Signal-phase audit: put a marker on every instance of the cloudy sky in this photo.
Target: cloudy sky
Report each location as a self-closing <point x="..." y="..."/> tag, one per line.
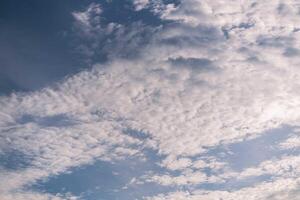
<point x="150" y="100"/>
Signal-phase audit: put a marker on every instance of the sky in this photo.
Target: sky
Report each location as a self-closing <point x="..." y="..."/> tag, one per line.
<point x="149" y="100"/>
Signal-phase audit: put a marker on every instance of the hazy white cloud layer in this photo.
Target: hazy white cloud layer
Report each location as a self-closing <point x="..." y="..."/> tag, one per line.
<point x="220" y="73"/>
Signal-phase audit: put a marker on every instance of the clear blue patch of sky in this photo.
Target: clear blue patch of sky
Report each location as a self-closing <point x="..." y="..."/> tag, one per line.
<point x="251" y="152"/>
<point x="14" y="160"/>
<point x="34" y="49"/>
<point x="59" y="120"/>
<point x="105" y="180"/>
<point x="37" y="44"/>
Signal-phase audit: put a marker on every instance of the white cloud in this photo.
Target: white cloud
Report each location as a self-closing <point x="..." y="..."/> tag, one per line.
<point x="287" y="166"/>
<point x="242" y="84"/>
<point x="90" y="30"/>
<point x="279" y="189"/>
<point x="292" y="142"/>
<point x="189" y="178"/>
<point x="88" y="19"/>
<point x="140" y="4"/>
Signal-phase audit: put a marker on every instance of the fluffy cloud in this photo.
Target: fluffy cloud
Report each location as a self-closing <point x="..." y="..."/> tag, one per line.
<point x="140" y="4"/>
<point x="220" y="73"/>
<point x="292" y="142"/>
<point x="89" y="19"/>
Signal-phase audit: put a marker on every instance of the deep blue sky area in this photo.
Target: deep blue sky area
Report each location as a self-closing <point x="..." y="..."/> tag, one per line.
<point x="34" y="47"/>
<point x="38" y="44"/>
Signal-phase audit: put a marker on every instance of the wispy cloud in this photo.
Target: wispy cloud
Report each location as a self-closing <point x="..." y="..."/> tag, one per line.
<point x="249" y="86"/>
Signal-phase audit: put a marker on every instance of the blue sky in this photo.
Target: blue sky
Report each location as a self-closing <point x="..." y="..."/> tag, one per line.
<point x="39" y="46"/>
<point x="149" y="99"/>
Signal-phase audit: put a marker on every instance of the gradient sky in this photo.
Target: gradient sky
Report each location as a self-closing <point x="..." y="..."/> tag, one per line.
<point x="149" y="99"/>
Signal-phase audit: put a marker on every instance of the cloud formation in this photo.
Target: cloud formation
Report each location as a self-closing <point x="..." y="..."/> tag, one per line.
<point x="219" y="73"/>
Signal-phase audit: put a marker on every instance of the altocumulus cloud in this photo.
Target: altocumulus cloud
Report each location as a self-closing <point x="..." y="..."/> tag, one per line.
<point x="218" y="73"/>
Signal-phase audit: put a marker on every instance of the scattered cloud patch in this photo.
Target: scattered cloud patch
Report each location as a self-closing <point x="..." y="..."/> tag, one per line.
<point x="201" y="92"/>
<point x="140" y="4"/>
